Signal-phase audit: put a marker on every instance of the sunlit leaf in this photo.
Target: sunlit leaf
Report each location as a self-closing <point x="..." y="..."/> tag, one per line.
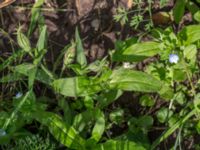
<point x="130" y="80"/>
<point x="80" y="56"/>
<point x="137" y="52"/>
<point x="63" y="132"/>
<point x="119" y="145"/>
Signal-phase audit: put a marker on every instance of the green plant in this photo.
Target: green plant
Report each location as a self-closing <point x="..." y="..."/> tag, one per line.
<point x="135" y="17"/>
<point x="180" y="7"/>
<point x="170" y="69"/>
<point x="33" y="142"/>
<point x="74" y="100"/>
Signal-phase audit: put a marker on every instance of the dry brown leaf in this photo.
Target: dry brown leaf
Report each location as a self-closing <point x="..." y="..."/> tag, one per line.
<point x="6" y="3"/>
<point x="126" y="3"/>
<point x="162" y="18"/>
<point x="84" y="6"/>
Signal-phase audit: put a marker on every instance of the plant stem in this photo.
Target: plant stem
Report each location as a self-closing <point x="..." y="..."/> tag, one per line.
<point x="7" y="122"/>
<point x="189" y="79"/>
<point x="172" y="129"/>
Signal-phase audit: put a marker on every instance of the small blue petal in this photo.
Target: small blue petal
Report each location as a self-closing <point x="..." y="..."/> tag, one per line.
<point x="173" y="58"/>
<point x="18" y="95"/>
<point x="2" y="132"/>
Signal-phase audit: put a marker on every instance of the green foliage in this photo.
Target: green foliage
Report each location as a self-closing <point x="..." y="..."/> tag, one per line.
<point x="180" y="8"/>
<point x="33" y="142"/>
<point x="146" y="100"/>
<point x="134" y="81"/>
<point x="77" y="101"/>
<point x="137" y="52"/>
<point x="134" y="18"/>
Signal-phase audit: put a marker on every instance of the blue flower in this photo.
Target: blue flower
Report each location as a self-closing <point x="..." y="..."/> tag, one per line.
<point x="173" y="58"/>
<point x="2" y="132"/>
<point x="18" y="95"/>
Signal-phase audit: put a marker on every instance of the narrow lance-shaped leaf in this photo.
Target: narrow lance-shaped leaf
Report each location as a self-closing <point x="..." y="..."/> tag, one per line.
<point x="99" y="126"/>
<point x="80" y="56"/>
<point x="35" y="14"/>
<point x="41" y="44"/>
<point x="62" y="131"/>
<point x="178" y="10"/>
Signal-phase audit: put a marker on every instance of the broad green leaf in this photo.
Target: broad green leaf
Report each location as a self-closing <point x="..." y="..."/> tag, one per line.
<point x="41" y="75"/>
<point x="75" y="86"/>
<point x="179" y="74"/>
<point x="41" y="43"/>
<point x="197" y="16"/>
<point x="117" y="115"/>
<point x="164" y="114"/>
<point x="70" y="86"/>
<point x="178" y="10"/>
<point x="63" y="132"/>
<point x="87" y="117"/>
<point x="107" y="97"/>
<point x="137" y="52"/>
<point x="23" y="41"/>
<point x="166" y="92"/>
<point x="180" y="98"/>
<point x="141" y="126"/>
<point x="190" y="53"/>
<point x="11" y="77"/>
<point x="147" y="101"/>
<point x="88" y="102"/>
<point x="145" y="121"/>
<point x="80" y="56"/>
<point x="130" y="80"/>
<point x="190" y="34"/>
<point x="119" y="145"/>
